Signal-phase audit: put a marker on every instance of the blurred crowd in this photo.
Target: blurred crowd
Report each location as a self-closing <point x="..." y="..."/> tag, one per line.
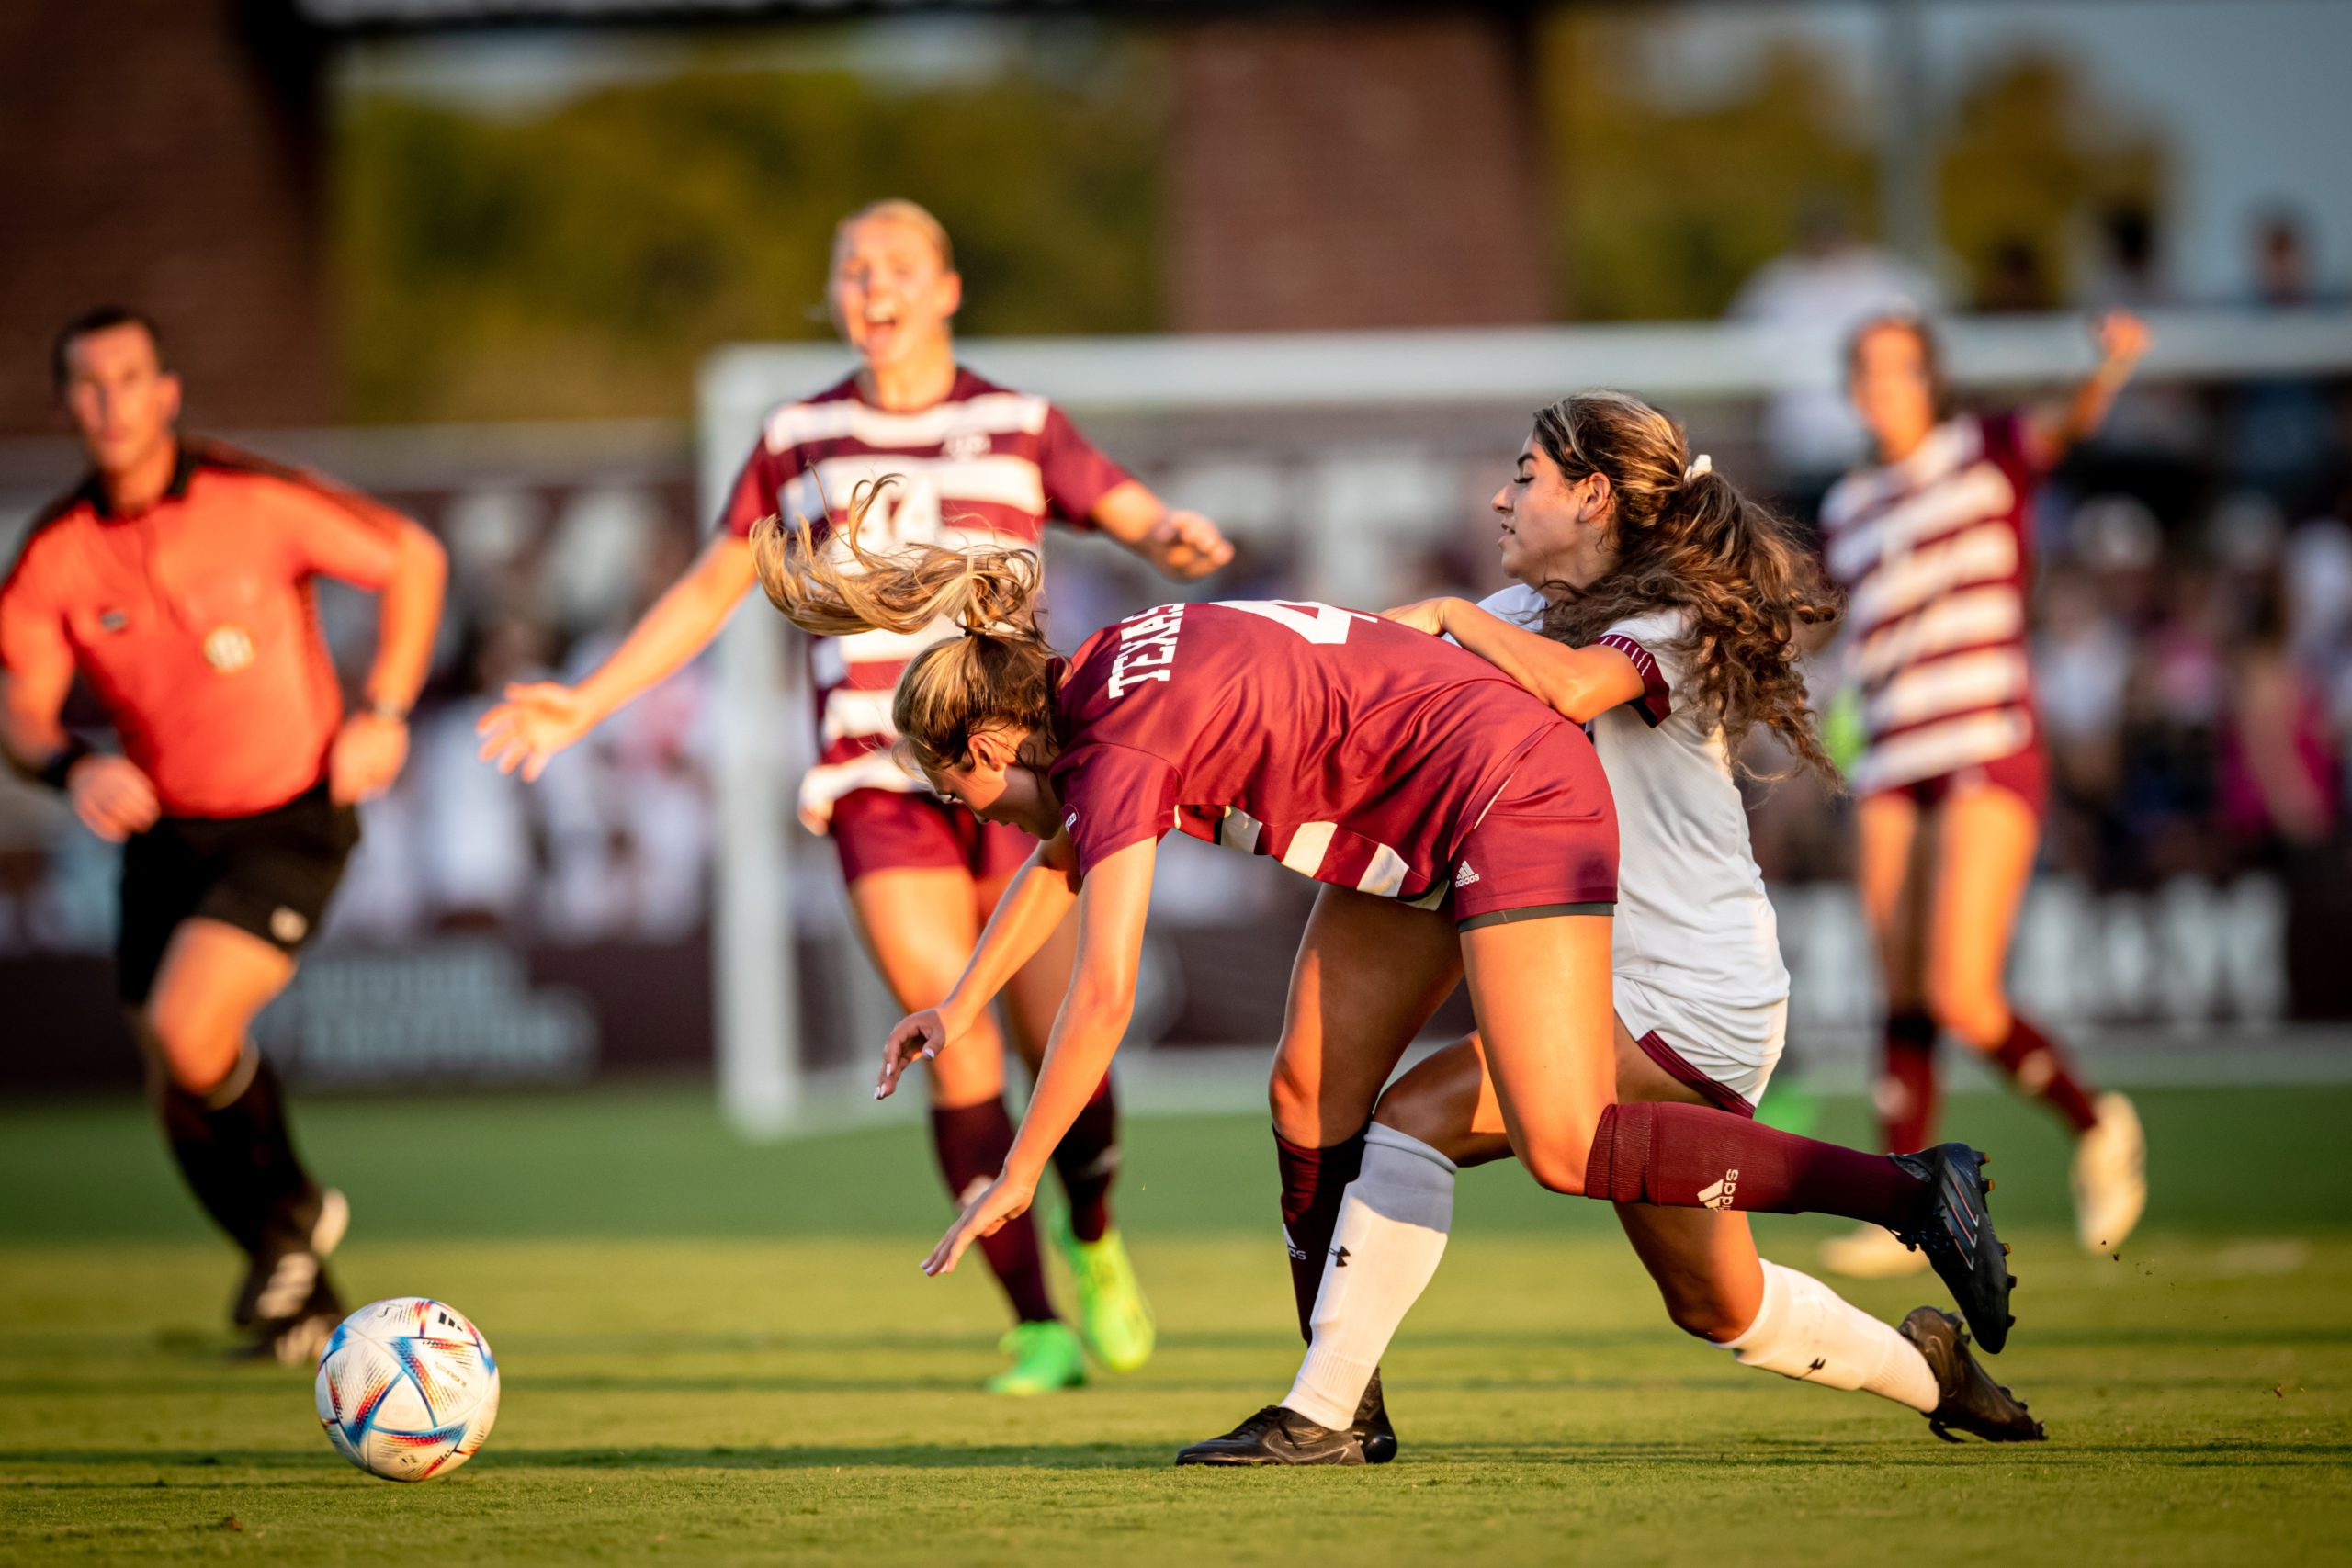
<point x="2193" y="654"/>
<point x="2193" y="606"/>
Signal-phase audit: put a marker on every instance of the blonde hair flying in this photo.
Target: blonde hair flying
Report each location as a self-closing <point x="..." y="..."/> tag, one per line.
<point x="997" y="673"/>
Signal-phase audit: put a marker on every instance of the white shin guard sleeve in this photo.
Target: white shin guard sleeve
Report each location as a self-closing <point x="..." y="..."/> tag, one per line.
<point x="1807" y="1331"/>
<point x="1385" y="1250"/>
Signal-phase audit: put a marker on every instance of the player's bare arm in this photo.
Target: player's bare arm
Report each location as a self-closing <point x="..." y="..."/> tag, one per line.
<point x="1030" y="911"/>
<point x="372" y="744"/>
<point x="1182" y="545"/>
<point x="2122" y="339"/>
<point x="1579" y="683"/>
<point x="539" y="719"/>
<point x="1111" y="912"/>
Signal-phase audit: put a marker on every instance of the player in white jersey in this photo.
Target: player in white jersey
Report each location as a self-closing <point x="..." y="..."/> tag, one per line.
<point x="1660" y="608"/>
<point x="975" y="463"/>
<point x="1933" y="539"/>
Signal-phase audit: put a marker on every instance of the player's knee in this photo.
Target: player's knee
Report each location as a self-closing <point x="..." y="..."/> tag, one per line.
<point x="1555" y="1170"/>
<point x="189" y="1042"/>
<point x="1703" y="1314"/>
<point x="1293" y="1096"/>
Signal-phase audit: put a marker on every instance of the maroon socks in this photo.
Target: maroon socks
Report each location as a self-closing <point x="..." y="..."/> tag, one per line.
<point x="971" y="1142"/>
<point x="1907" y="1093"/>
<point x="2037" y="1065"/>
<point x="1693" y="1156"/>
<point x="1088" y="1161"/>
<point x="1314" y="1183"/>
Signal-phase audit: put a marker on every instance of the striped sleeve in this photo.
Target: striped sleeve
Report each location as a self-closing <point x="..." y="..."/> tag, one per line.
<point x="1074" y="474"/>
<point x="1649" y="641"/>
<point x="757" y="486"/>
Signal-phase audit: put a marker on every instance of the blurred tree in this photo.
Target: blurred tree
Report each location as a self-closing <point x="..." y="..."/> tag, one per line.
<point x="1665" y="206"/>
<point x="581" y="261"/>
<point x="2029" y="155"/>
<point x="1668" y="197"/>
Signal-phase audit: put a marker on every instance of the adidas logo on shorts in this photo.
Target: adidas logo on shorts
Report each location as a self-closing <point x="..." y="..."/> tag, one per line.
<point x="1464" y="877"/>
<point x="1718" y="1194"/>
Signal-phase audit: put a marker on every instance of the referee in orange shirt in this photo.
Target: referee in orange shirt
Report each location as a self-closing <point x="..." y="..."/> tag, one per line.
<point x="177" y="579"/>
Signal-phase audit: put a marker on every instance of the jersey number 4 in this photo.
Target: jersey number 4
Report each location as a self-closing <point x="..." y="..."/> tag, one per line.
<point x="1325" y="625"/>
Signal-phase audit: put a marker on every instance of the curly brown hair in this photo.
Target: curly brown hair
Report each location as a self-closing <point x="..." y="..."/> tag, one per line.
<point x="1745" y="582"/>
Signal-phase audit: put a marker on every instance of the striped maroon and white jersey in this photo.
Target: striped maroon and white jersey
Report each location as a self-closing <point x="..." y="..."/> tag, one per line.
<point x="1933" y="551"/>
<point x="983" y="466"/>
<point x="1351" y="749"/>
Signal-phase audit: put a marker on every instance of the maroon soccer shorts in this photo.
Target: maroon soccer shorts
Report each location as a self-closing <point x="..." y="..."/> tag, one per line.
<point x="1547" y="846"/>
<point x="884" y="829"/>
<point x="2025" y="774"/>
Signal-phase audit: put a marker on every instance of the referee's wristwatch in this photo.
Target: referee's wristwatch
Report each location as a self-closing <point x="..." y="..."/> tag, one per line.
<point x="392" y="712"/>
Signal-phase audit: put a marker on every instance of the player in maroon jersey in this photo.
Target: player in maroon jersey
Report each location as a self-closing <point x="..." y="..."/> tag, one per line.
<point x="978" y="464"/>
<point x="1932" y="537"/>
<point x="1417" y="781"/>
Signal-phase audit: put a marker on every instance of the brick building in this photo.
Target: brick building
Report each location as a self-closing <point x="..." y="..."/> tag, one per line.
<point x="1325" y="170"/>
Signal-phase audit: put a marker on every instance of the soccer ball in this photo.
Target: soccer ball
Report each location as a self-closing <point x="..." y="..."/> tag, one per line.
<point x="407" y="1389"/>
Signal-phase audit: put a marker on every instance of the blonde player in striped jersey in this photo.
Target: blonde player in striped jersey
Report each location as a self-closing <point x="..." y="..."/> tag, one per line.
<point x="1657" y="606"/>
<point x="974" y="464"/>
<point x="1932" y="539"/>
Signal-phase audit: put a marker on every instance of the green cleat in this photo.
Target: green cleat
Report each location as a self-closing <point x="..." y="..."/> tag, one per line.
<point x="1045" y="1356"/>
<point x="1113" y="1317"/>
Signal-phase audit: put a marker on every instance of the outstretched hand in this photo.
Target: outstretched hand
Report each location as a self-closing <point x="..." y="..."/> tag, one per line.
<point x="1187" y="546"/>
<point x="535" y="721"/>
<point x="2122" y="338"/>
<point x="918" y="1038"/>
<point x="1005" y="1199"/>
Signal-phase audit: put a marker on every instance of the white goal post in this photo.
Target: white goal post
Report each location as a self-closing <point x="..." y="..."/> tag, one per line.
<point x="762" y="1085"/>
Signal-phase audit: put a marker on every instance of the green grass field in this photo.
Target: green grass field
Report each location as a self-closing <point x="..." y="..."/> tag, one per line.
<point x="714" y="1352"/>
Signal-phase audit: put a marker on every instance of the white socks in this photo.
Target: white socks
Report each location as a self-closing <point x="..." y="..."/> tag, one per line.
<point x="1391" y="1236"/>
<point x="1384" y="1251"/>
<point x="1807" y="1331"/>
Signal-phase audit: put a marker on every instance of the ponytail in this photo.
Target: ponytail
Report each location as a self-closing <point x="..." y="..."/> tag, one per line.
<point x="997" y="673"/>
<point x="1688" y="539"/>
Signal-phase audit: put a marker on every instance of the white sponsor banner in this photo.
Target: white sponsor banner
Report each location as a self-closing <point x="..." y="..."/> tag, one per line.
<point x="2187" y="956"/>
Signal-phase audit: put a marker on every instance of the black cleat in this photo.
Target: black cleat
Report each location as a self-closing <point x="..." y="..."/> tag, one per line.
<point x="300" y="1337"/>
<point x="1373" y="1431"/>
<point x="1959" y="1239"/>
<point x="1277" y="1435"/>
<point x="1972" y="1401"/>
<point x="282" y="1272"/>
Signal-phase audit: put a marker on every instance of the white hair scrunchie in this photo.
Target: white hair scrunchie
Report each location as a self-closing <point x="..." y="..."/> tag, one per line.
<point x="1701" y="463"/>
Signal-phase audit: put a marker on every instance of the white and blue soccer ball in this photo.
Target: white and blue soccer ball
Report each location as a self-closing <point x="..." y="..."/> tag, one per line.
<point x="407" y="1389"/>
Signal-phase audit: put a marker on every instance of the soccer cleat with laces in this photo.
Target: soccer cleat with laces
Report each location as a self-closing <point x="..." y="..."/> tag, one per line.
<point x="1113" y="1319"/>
<point x="1277" y="1435"/>
<point x="1957" y="1235"/>
<point x="2111" y="1176"/>
<point x="284" y="1269"/>
<point x="1970" y="1401"/>
<point x="1045" y="1356"/>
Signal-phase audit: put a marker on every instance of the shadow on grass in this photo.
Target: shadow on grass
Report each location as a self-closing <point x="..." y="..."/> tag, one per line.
<point x="1714" y="1457"/>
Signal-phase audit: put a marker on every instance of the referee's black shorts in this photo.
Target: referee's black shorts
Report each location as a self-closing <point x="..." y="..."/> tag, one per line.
<point x="270" y="874"/>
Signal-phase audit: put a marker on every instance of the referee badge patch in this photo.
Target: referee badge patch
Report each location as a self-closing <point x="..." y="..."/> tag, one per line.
<point x="228" y="649"/>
